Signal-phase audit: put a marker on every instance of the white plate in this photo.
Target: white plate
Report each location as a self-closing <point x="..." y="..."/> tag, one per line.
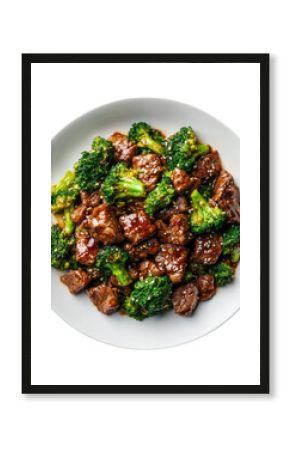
<point x="169" y="329"/>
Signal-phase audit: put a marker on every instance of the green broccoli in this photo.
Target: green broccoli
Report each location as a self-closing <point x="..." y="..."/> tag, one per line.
<point x="206" y="190"/>
<point x="94" y="165"/>
<point x="149" y="297"/>
<point x="231" y="243"/>
<point x="235" y="256"/>
<point x="188" y="276"/>
<point x="69" y="225"/>
<point x="64" y="193"/>
<point x="222" y="272"/>
<point x="204" y="217"/>
<point x="161" y="196"/>
<point x="62" y="248"/>
<point x="182" y="149"/>
<point x="112" y="259"/>
<point x="145" y="136"/>
<point x="120" y="184"/>
<point x="198" y="268"/>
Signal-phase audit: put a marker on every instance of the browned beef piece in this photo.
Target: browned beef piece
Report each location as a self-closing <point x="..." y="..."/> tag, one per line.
<point x="179" y="206"/>
<point x="94" y="273"/>
<point x="185" y="299"/>
<point x="124" y="149"/>
<point x="95" y="199"/>
<point x="113" y="281"/>
<point x="79" y="213"/>
<point x="86" y="248"/>
<point x="149" y="167"/>
<point x="75" y="280"/>
<point x="133" y="271"/>
<point x="135" y="206"/>
<point x="207" y="248"/>
<point x="104" y="223"/>
<point x="143" y="250"/>
<point x="208" y="166"/>
<point x="149" y="267"/>
<point x="90" y="199"/>
<point x="173" y="260"/>
<point x="128" y="208"/>
<point x="206" y="287"/>
<point x="177" y="232"/>
<point x="181" y="181"/>
<point x="227" y="196"/>
<point x="105" y="298"/>
<point x="137" y="226"/>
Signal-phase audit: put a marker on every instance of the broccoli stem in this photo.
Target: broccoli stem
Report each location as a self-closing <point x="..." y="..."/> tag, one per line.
<point x="131" y="188"/>
<point x="121" y="274"/>
<point x="154" y="146"/>
<point x="69" y="224"/>
<point x="202" y="149"/>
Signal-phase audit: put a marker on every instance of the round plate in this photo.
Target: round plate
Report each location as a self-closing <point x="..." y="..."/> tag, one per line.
<point x="169" y="329"/>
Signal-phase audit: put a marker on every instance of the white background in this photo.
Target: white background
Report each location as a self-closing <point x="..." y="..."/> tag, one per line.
<point x="226" y="356"/>
<point x="205" y="422"/>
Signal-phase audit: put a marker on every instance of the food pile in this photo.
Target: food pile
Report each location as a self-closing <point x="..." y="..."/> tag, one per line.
<point x="146" y="223"/>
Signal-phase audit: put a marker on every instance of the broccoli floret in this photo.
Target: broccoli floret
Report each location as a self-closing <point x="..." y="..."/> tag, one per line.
<point x="182" y="149"/>
<point x="188" y="276"/>
<point x="204" y="217"/>
<point x="206" y="190"/>
<point x="222" y="272"/>
<point x="235" y="256"/>
<point x="64" y="193"/>
<point x="145" y="136"/>
<point x="112" y="259"/>
<point x="198" y="268"/>
<point x="231" y="239"/>
<point x="121" y="183"/>
<point x="62" y="250"/>
<point x="149" y="297"/>
<point x="161" y="196"/>
<point x="94" y="165"/>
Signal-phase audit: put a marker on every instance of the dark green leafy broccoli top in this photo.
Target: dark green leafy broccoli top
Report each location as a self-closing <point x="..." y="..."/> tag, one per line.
<point x="146" y="223"/>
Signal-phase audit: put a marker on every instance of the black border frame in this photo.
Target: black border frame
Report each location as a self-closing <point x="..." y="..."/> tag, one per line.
<point x="27" y="60"/>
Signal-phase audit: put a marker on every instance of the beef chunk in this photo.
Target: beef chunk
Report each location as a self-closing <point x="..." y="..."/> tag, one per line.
<point x="75" y="280"/>
<point x="143" y="250"/>
<point x="86" y="248"/>
<point x="124" y="149"/>
<point x="79" y="213"/>
<point x="181" y="181"/>
<point x="227" y="196"/>
<point x="133" y="271"/>
<point x="208" y="166"/>
<point x="173" y="260"/>
<point x="207" y="248"/>
<point x="90" y="199"/>
<point x="150" y="169"/>
<point x="94" y="273"/>
<point x="180" y="205"/>
<point x="95" y="199"/>
<point x="185" y="299"/>
<point x="177" y="232"/>
<point x="149" y="267"/>
<point x="105" y="298"/>
<point x="137" y="226"/>
<point x="206" y="287"/>
<point x="104" y="223"/>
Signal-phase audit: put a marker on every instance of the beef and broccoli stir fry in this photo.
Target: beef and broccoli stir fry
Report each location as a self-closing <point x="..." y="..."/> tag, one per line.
<point x="146" y="223"/>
